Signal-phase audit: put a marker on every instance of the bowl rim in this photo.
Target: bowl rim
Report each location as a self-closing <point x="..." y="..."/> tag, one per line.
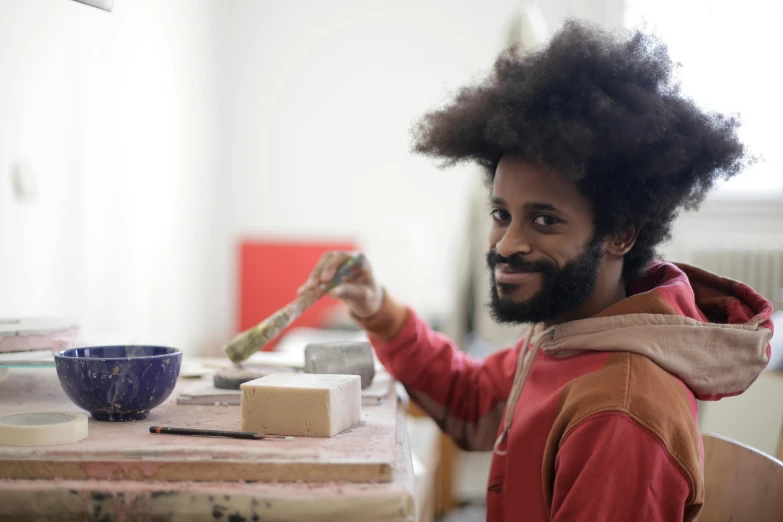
<point x="62" y="355"/>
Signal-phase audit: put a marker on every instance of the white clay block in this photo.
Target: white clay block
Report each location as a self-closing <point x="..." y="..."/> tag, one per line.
<point x="301" y="404"/>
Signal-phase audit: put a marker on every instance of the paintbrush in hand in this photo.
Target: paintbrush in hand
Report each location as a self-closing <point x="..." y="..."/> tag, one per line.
<point x="250" y="341"/>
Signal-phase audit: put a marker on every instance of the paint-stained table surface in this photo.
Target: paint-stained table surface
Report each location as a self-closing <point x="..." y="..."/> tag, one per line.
<point x="137" y="492"/>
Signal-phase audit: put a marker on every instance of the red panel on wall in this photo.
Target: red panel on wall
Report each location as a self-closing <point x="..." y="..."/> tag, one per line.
<point x="270" y="273"/>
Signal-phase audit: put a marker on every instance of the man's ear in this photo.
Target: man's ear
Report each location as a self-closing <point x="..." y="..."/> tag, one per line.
<point x="621" y="243"/>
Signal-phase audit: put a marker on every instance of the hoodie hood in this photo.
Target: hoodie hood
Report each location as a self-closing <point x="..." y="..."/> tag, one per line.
<point x="711" y="332"/>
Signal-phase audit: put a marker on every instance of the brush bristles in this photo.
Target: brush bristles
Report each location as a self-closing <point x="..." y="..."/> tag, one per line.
<point x="244" y="345"/>
<point x="249" y="342"/>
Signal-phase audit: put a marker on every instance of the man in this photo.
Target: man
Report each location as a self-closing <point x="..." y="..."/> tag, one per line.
<point x="591" y="153"/>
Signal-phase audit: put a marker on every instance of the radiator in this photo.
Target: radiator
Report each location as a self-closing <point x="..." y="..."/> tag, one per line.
<point x="754" y="260"/>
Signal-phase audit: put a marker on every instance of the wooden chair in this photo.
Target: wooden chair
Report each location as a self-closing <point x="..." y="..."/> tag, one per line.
<point x="741" y="483"/>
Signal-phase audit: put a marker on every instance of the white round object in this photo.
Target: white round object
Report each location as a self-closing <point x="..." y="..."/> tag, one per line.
<point x="42" y="428"/>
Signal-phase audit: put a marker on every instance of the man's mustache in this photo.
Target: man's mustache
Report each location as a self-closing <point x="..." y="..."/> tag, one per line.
<point x="517" y="263"/>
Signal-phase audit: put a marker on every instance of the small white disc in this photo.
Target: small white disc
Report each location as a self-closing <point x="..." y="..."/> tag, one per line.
<point x="42" y="428"/>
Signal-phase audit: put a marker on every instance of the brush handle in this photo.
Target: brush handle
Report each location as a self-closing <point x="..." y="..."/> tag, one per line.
<point x="290" y="312"/>
<point x="350" y="268"/>
<point x="215" y="433"/>
<point x="250" y="341"/>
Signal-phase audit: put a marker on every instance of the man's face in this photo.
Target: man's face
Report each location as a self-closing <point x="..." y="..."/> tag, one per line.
<point x="544" y="257"/>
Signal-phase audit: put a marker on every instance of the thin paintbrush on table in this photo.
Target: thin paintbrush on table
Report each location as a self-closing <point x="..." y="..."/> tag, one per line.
<point x="165" y="430"/>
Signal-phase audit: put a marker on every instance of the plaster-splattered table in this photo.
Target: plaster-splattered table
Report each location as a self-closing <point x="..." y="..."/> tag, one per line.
<point x="121" y="472"/>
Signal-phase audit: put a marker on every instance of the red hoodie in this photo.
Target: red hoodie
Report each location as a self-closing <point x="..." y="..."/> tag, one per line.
<point x="592" y="420"/>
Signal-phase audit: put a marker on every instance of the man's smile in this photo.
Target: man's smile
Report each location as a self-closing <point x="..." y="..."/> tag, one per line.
<point x="508" y="275"/>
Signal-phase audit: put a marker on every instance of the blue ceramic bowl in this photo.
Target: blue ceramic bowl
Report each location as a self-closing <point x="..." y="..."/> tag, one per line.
<point x="118" y="383"/>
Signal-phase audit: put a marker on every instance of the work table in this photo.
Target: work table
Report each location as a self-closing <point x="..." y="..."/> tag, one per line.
<point x="125" y="473"/>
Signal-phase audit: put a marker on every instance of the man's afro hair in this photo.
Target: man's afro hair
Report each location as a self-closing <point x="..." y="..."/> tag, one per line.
<point x="605" y="109"/>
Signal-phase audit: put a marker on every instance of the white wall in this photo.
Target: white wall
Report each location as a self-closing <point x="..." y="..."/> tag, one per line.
<point x="316" y="103"/>
<point x="162" y="133"/>
<point x="114" y="113"/>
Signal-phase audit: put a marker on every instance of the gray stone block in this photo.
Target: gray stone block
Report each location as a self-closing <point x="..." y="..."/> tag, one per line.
<point x="349" y="358"/>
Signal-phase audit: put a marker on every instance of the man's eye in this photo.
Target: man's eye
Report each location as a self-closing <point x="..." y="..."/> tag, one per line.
<point x="499" y="214"/>
<point x="545" y="220"/>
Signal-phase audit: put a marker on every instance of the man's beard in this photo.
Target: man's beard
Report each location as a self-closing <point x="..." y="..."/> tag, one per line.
<point x="561" y="290"/>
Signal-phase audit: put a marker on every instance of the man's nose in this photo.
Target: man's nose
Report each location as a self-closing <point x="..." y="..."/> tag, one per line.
<point x="513" y="242"/>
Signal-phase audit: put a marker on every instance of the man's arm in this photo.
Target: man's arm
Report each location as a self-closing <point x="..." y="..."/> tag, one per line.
<point x="466" y="397"/>
<point x="610" y="468"/>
